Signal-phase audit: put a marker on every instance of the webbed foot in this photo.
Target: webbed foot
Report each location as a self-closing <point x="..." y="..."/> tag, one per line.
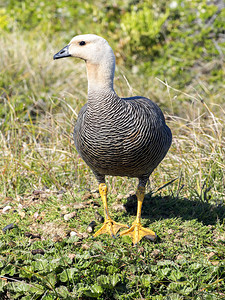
<point x="110" y="227"/>
<point x="137" y="232"/>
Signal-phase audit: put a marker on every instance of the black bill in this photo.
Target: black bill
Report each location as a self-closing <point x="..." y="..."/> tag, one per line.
<point x="62" y="53"/>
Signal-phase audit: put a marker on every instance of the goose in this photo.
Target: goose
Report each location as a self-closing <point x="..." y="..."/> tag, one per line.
<point x="116" y="136"/>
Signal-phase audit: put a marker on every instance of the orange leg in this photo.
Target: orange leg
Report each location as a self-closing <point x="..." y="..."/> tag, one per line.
<point x="109" y="226"/>
<point x="136" y="231"/>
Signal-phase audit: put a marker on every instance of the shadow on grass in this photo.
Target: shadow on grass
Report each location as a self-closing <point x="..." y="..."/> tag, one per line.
<point x="156" y="208"/>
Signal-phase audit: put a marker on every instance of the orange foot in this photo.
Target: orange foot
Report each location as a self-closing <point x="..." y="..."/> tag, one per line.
<point x="137" y="232"/>
<point x="110" y="227"/>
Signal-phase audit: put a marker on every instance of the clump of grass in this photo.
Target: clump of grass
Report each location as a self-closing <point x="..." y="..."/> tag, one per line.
<point x="198" y="148"/>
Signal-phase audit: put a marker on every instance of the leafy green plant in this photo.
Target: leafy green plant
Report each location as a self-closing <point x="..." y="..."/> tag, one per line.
<point x="143" y="27"/>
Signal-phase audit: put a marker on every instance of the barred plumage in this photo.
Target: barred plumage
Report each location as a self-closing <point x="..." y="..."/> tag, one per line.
<point x="116" y="136"/>
<point x="121" y="136"/>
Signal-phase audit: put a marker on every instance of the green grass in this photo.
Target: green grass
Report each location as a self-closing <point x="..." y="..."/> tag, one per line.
<point x="42" y="176"/>
<point x="185" y="263"/>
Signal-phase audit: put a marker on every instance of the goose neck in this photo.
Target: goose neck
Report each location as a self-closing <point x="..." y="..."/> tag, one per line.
<point x="100" y="76"/>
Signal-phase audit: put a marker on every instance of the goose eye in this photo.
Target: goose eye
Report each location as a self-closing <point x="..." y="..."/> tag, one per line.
<point x="82" y="43"/>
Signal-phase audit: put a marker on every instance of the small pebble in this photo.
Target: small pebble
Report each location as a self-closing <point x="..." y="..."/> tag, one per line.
<point x="151" y="238"/>
<point x="6" y="208"/>
<point x="80" y="235"/>
<point x="36" y="215"/>
<point x="70" y="216"/>
<point x="179" y="235"/>
<point x="156" y="253"/>
<point x="32" y="236"/>
<point x="91" y="227"/>
<point x="79" y="205"/>
<point x="37" y="251"/>
<point x="84" y="235"/>
<point x="99" y="217"/>
<point x="92" y="203"/>
<point x="21" y="214"/>
<point x="73" y="233"/>
<point x="77" y="243"/>
<point x="119" y="207"/>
